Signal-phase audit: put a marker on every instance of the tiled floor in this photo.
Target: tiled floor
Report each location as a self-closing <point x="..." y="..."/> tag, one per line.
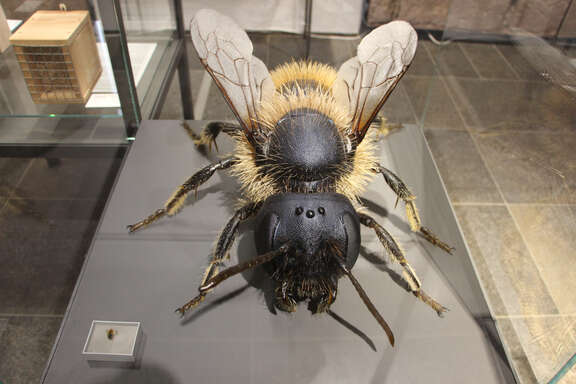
<point x="49" y="209"/>
<point x="509" y="173"/>
<point x="502" y="137"/>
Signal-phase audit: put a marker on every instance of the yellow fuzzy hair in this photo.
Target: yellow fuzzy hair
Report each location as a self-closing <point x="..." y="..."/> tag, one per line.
<point x="257" y="187"/>
<point x="178" y="204"/>
<point x="276" y="107"/>
<point x="295" y="71"/>
<point x="351" y="182"/>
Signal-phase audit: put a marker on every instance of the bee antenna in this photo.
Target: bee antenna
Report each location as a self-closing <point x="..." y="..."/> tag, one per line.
<point x="366" y="300"/>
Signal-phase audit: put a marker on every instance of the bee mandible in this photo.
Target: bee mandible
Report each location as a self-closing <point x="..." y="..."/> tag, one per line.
<point x="303" y="156"/>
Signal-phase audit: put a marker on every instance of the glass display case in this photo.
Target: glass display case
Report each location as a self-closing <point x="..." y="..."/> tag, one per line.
<point x="499" y="115"/>
<point x="137" y="54"/>
<point x="481" y="128"/>
<point x="59" y="156"/>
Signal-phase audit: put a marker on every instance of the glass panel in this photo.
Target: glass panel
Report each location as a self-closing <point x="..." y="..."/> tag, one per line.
<point x="151" y="34"/>
<point x="61" y="89"/>
<point x="59" y="158"/>
<point x="499" y="115"/>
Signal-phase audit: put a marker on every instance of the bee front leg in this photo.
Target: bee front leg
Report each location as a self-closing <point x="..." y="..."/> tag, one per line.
<point x="210" y="283"/>
<point x="210" y="133"/>
<point x="408" y="274"/>
<point x="402" y="192"/>
<point x="176" y="201"/>
<point x="282" y="300"/>
<point x="222" y="249"/>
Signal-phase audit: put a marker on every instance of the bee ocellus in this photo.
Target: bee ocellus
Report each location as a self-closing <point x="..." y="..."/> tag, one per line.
<point x="304" y="154"/>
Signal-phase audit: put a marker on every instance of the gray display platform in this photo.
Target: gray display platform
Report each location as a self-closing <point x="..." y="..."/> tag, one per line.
<point x="234" y="336"/>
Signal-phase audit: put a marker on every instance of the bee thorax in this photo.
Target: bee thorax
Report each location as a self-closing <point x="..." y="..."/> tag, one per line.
<point x="306" y="145"/>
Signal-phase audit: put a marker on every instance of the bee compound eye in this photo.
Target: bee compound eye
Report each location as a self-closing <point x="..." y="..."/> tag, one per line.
<point x="309" y="213"/>
<point x="299" y="211"/>
<point x="321" y="210"/>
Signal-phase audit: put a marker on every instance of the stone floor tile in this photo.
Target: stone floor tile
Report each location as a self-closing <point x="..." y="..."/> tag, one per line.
<point x="216" y="106"/>
<point x="3" y="326"/>
<point x="422" y="64"/>
<point x="69" y="178"/>
<point x="25" y="347"/>
<point x="489" y="63"/>
<point x="284" y="48"/>
<point x="513" y="346"/>
<point x="260" y="44"/>
<point x="569" y="377"/>
<point x="332" y="51"/>
<point x="549" y="232"/>
<point x="522" y="67"/>
<point x="569" y="51"/>
<point x="496" y="105"/>
<point x="11" y="171"/>
<point x="518" y="286"/>
<point x="172" y="108"/>
<point x="548" y="343"/>
<point x="432" y="103"/>
<point x="482" y="268"/>
<point x="462" y="168"/>
<point x="523" y="369"/>
<point x="397" y="109"/>
<point x="193" y="60"/>
<point x="451" y="61"/>
<point x="532" y="168"/>
<point x="42" y="247"/>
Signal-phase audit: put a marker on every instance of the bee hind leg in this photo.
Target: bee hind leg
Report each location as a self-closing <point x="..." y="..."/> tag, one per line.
<point x="402" y="192"/>
<point x="209" y="133"/>
<point x="176" y="201"/>
<point x="396" y="254"/>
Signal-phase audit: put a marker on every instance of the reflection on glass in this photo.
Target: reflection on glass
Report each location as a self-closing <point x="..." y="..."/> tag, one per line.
<point x="500" y="116"/>
<point x="150" y="31"/>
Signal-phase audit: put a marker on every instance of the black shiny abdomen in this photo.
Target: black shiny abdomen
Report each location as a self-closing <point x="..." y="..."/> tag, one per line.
<point x="308" y="220"/>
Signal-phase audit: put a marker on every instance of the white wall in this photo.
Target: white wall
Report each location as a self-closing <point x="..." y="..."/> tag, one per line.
<point x="328" y="16"/>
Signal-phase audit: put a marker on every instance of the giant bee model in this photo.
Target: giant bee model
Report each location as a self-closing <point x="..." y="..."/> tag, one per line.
<point x="304" y="154"/>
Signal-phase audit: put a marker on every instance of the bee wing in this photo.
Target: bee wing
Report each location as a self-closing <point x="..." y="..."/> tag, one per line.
<point x="365" y="81"/>
<point x="226" y="51"/>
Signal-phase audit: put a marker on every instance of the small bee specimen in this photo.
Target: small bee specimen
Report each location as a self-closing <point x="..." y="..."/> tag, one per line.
<point x="303" y="156"/>
<point x="110" y="333"/>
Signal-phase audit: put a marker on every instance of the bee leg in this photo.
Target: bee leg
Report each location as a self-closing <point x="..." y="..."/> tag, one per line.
<point x="322" y="303"/>
<point x="230" y="231"/>
<point x="216" y="279"/>
<point x="282" y="301"/>
<point x="383" y="127"/>
<point x="402" y="192"/>
<point x="210" y="133"/>
<point x="408" y="274"/>
<point x="223" y="245"/>
<point x="176" y="201"/>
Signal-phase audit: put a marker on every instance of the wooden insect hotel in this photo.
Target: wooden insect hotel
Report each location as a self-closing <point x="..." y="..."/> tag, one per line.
<point x="58" y="56"/>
